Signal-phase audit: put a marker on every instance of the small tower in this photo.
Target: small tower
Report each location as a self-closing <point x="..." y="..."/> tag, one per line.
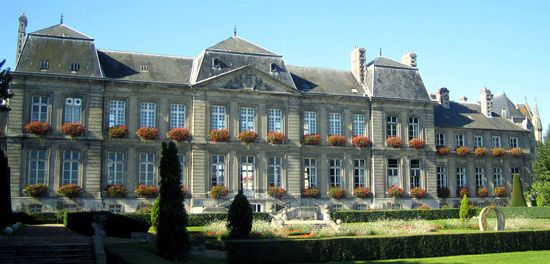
<point x="359" y="64"/>
<point x="486" y="102"/>
<point x="442" y="97"/>
<point x="537" y="124"/>
<point x="409" y="58"/>
<point x="21" y="33"/>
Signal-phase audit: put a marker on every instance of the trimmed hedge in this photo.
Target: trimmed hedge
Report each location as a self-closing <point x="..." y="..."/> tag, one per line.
<point x="524" y="212"/>
<point x="204" y="219"/>
<point x="370" y="248"/>
<point x="38" y="218"/>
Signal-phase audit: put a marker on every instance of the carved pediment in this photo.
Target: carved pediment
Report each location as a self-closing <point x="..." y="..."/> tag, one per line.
<point x="247" y="78"/>
<point x="248" y="81"/>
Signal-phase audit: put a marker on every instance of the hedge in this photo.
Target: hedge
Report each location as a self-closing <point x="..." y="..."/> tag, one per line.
<point x="38" y="218"/>
<point x="371" y="248"/>
<point x="204" y="219"/>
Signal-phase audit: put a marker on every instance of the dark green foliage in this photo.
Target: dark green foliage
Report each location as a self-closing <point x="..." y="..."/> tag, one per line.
<point x="374" y="215"/>
<point x="5" y="192"/>
<point x="38" y="218"/>
<point x="172" y="238"/>
<point x="116" y="225"/>
<point x="204" y="219"/>
<point x="81" y="222"/>
<point x="517" y="192"/>
<point x="155" y="214"/>
<point x="5" y="79"/>
<point x="464" y="208"/>
<point x="239" y="217"/>
<point x="541" y="184"/>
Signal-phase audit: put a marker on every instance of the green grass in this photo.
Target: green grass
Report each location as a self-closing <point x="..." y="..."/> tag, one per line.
<point x="195" y="229"/>
<point x="144" y="253"/>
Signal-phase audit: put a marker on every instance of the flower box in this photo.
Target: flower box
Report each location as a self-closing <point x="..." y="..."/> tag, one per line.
<point x="417" y="143"/>
<point x="443" y="192"/>
<point x="119" y="131"/>
<point x="311" y="192"/>
<point x="498" y="152"/>
<point x="394" y="142"/>
<point x="72" y="129"/>
<point x="442" y="151"/>
<point x="516" y="152"/>
<point x="362" y="192"/>
<point x="395" y="192"/>
<point x="418" y="192"/>
<point x="312" y="139"/>
<point x="219" y="135"/>
<point x="179" y="134"/>
<point x="336" y="193"/>
<point x="482" y="192"/>
<point x="360" y="141"/>
<point x="116" y="190"/>
<point x="36" y="190"/>
<point x="276" y="137"/>
<point x="500" y="191"/>
<point x="461" y="191"/>
<point x="38" y="128"/>
<point x="336" y="140"/>
<point x="147" y="133"/>
<point x="70" y="190"/>
<point x="146" y="191"/>
<point x="247" y="137"/>
<point x="218" y="191"/>
<point x="276" y="192"/>
<point x="463" y="151"/>
<point x="480" y="151"/>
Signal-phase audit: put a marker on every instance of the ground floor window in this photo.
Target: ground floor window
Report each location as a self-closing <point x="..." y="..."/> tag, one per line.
<point x="335" y="173"/>
<point x="393" y="172"/>
<point x="415" y="173"/>
<point x="441" y="173"/>
<point x="310" y="173"/>
<point x="461" y="177"/>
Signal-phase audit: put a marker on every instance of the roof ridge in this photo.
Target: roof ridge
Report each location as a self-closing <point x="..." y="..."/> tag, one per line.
<point x="259" y="50"/>
<point x="39" y="32"/>
<point x="320" y="68"/>
<point x="146" y="53"/>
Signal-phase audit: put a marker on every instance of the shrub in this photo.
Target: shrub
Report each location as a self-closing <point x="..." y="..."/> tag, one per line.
<point x="394" y="142"/>
<point x="115" y="225"/>
<point x="517" y="193"/>
<point x="147" y="133"/>
<point x="362" y="192"/>
<point x="38" y="128"/>
<point x="543" y="193"/>
<point x="218" y="191"/>
<point x="239" y="217"/>
<point x="207" y="218"/>
<point x="72" y="129"/>
<point x="38" y="218"/>
<point x="360" y="141"/>
<point x="312" y="139"/>
<point x="119" y="131"/>
<point x="276" y="192"/>
<point x="116" y="190"/>
<point x="462" y="190"/>
<point x="36" y="190"/>
<point x="395" y="192"/>
<point x="336" y="140"/>
<point x="311" y="192"/>
<point x="516" y="152"/>
<point x="418" y="192"/>
<point x="443" y="192"/>
<point x="355" y="216"/>
<point x="219" y="135"/>
<point x="498" y="152"/>
<point x="480" y="151"/>
<point x="442" y="151"/>
<point x="336" y="193"/>
<point x="146" y="191"/>
<point x="482" y="192"/>
<point x="248" y="137"/>
<point x="70" y="190"/>
<point x="179" y="134"/>
<point x="463" y="151"/>
<point x="155" y="214"/>
<point x="464" y="208"/>
<point x="274" y="137"/>
<point x="417" y="143"/>
<point x="500" y="191"/>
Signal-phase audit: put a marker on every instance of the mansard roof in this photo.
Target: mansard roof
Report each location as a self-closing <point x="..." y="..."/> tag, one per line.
<point x="61" y="30"/>
<point x="236" y="44"/>
<point x="325" y="81"/>
<point x="501" y="101"/>
<point x="468" y="115"/>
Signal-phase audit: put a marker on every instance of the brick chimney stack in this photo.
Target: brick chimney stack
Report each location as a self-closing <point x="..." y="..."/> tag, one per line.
<point x="409" y="58"/>
<point x="359" y="64"/>
<point x="486" y="102"/>
<point x="442" y="97"/>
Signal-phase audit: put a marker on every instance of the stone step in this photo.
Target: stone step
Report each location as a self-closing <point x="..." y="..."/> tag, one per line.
<point x="50" y="259"/>
<point x="32" y="252"/>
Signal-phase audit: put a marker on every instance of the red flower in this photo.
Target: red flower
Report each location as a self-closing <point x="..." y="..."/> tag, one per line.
<point x="498" y="152"/>
<point x="360" y="141"/>
<point x="516" y="152"/>
<point x="418" y="192"/>
<point x="482" y="192"/>
<point x="463" y="151"/>
<point x="38" y="128"/>
<point x="500" y="191"/>
<point x="336" y="193"/>
<point x="220" y="135"/>
<point x="276" y="137"/>
<point x="361" y="192"/>
<point x="395" y="191"/>
<point x="442" y="151"/>
<point x="248" y="137"/>
<point x="394" y="142"/>
<point x="312" y="139"/>
<point x="146" y="191"/>
<point x="311" y="192"/>
<point x="276" y="192"/>
<point x="417" y="143"/>
<point x="179" y="134"/>
<point x="116" y="190"/>
<point x="480" y="151"/>
<point x="119" y="131"/>
<point x="36" y="190"/>
<point x="70" y="190"/>
<point x="461" y="191"/>
<point x="336" y="140"/>
<point x="72" y="129"/>
<point x="218" y="191"/>
<point x="148" y="133"/>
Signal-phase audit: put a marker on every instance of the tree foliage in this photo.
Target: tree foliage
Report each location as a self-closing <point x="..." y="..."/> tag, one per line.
<point x="5" y="79"/>
<point x="5" y="193"/>
<point x="464" y="208"/>
<point x="155" y="214"/>
<point x="239" y="217"/>
<point x="541" y="184"/>
<point x="517" y="192"/>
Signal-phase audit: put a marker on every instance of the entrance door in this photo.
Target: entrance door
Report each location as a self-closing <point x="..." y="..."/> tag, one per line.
<point x="247" y="171"/>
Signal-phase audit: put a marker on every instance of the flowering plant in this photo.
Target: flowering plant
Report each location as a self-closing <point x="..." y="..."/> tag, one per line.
<point x="70" y="190"/>
<point x="146" y="191"/>
<point x="311" y="192"/>
<point x="218" y="191"/>
<point x="277" y="192"/>
<point x="336" y="193"/>
<point x="119" y="131"/>
<point x="38" y="128"/>
<point x="361" y="192"/>
<point x="336" y="140"/>
<point x="116" y="190"/>
<point x="417" y="143"/>
<point x="247" y="137"/>
<point x="461" y="191"/>
<point x="274" y="137"/>
<point x="179" y="134"/>
<point x="312" y="139"/>
<point x="72" y="129"/>
<point x="443" y="192"/>
<point x="500" y="191"/>
<point x="219" y="135"/>
<point x="498" y="152"/>
<point x="516" y="152"/>
<point x="394" y="142"/>
<point x="480" y="151"/>
<point x="147" y="133"/>
<point x="442" y="151"/>
<point x="36" y="190"/>
<point x="482" y="192"/>
<point x="395" y="191"/>
<point x="360" y="141"/>
<point x="418" y="192"/>
<point x="463" y="151"/>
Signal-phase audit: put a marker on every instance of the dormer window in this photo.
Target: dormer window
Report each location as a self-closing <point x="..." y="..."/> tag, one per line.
<point x="144" y="68"/>
<point x="274" y="68"/>
<point x="216" y="63"/>
<point x="75" y="67"/>
<point x="44" y="65"/>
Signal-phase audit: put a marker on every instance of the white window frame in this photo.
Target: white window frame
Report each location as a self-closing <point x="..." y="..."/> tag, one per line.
<point x="37" y="171"/>
<point x="440" y="140"/>
<point x="335" y="173"/>
<point x="310" y="172"/>
<point x="358" y="126"/>
<point x="415" y="174"/>
<point x="414" y="127"/>
<point x="274" y="120"/>
<point x="514" y="142"/>
<point x="442" y="177"/>
<point x="391" y="126"/>
<point x="496" y="141"/>
<point x="246" y="117"/>
<point x="247" y="172"/>
<point x="73" y="110"/>
<point x="478" y="141"/>
<point x="181" y="160"/>
<point x="479" y="173"/>
<point x="117" y="113"/>
<point x="147" y="168"/>
<point x="393" y="173"/>
<point x="461" y="177"/>
<point x="148" y="114"/>
<point x="218" y="117"/>
<point x="310" y="122"/>
<point x="459" y="140"/>
<point x="359" y="173"/>
<point x="70" y="167"/>
<point x="115" y="167"/>
<point x="497" y="176"/>
<point x="217" y="170"/>
<point x="177" y="116"/>
<point x="40" y="106"/>
<point x="334" y="124"/>
<point x="275" y="172"/>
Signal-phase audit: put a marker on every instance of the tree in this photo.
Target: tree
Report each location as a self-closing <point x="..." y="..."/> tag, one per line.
<point x="464" y="208"/>
<point x="517" y="193"/>
<point x="239" y="217"/>
<point x="5" y="79"/>
<point x="5" y="192"/>
<point x="541" y="184"/>
<point x="172" y="238"/>
<point x="155" y="215"/>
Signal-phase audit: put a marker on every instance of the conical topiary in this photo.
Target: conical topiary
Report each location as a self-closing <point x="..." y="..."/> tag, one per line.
<point x="464" y="208"/>
<point x="239" y="217"/>
<point x="517" y="192"/>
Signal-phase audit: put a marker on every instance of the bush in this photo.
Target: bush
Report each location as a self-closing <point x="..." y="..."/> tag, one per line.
<point x="38" y="128"/>
<point x="276" y="137"/>
<point x="442" y="151"/>
<point x="248" y="137"/>
<point x="72" y="129"/>
<point x="362" y="192"/>
<point x="146" y="191"/>
<point x="276" y="192"/>
<point x="116" y="190"/>
<point x="516" y="152"/>
<point x="239" y="217"/>
<point x="179" y="134"/>
<point x="147" y="133"/>
<point x="336" y="140"/>
<point x="482" y="192"/>
<point x="38" y="218"/>
<point x="500" y="191"/>
<point x="464" y="208"/>
<point x="443" y="192"/>
<point x="360" y="141"/>
<point x="312" y="139"/>
<point x="36" y="190"/>
<point x="463" y="151"/>
<point x="498" y="152"/>
<point x="221" y="135"/>
<point x="417" y="143"/>
<point x="418" y="192"/>
<point x="218" y="191"/>
<point x="394" y="142"/>
<point x="207" y="218"/>
<point x="356" y="216"/>
<point x="395" y="192"/>
<point x="543" y="193"/>
<point x="119" y="131"/>
<point x="311" y="193"/>
<point x="336" y="193"/>
<point x="461" y="191"/>
<point x="70" y="190"/>
<point x="480" y="151"/>
<point x="155" y="214"/>
<point x="517" y="193"/>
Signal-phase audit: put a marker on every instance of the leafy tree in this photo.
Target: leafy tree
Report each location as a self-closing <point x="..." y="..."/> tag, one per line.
<point x="172" y="238"/>
<point x="239" y="217"/>
<point x="5" y="79"/>
<point x="541" y="166"/>
<point x="155" y="214"/>
<point x="5" y="193"/>
<point x="464" y="208"/>
<point x="517" y="193"/>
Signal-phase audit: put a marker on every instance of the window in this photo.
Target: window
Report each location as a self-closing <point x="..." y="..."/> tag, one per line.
<point x="117" y="113"/>
<point x="514" y="171"/>
<point x="70" y="167"/>
<point x="498" y="179"/>
<point x="334" y="124"/>
<point x="247" y="171"/>
<point x="216" y="63"/>
<point x="115" y="168"/>
<point x="217" y="171"/>
<point x="181" y="159"/>
<point x="177" y="115"/>
<point x="415" y="173"/>
<point x="441" y="173"/>
<point x="459" y="140"/>
<point x="144" y="68"/>
<point x="310" y="172"/>
<point x="275" y="172"/>
<point x="514" y="142"/>
<point x="75" y="67"/>
<point x="115" y="208"/>
<point x="358" y="125"/>
<point x="256" y="208"/>
<point x="335" y="173"/>
<point x="73" y="108"/>
<point x="310" y="123"/>
<point x="440" y="140"/>
<point x="44" y="65"/>
<point x="478" y="141"/>
<point x="218" y="117"/>
<point x="274" y="117"/>
<point x="37" y="166"/>
<point x="359" y="173"/>
<point x="480" y="177"/>
<point x="247" y="119"/>
<point x="393" y="172"/>
<point x="35" y="208"/>
<point x="414" y="127"/>
<point x="496" y="141"/>
<point x="461" y="177"/>
<point x="148" y="115"/>
<point x="39" y="108"/>
<point x="361" y="207"/>
<point x="391" y="126"/>
<point x="147" y="169"/>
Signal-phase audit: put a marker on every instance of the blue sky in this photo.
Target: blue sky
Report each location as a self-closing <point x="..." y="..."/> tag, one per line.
<point x="462" y="45"/>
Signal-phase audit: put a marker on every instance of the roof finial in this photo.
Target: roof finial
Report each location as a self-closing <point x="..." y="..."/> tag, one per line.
<point x="61" y="20"/>
<point x="235" y="31"/>
<point x="380" y="52"/>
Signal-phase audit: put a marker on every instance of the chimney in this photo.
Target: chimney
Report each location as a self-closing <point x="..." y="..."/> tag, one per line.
<point x="486" y="102"/>
<point x="463" y="99"/>
<point x="21" y="33"/>
<point x="359" y="64"/>
<point x="409" y="58"/>
<point x="442" y="97"/>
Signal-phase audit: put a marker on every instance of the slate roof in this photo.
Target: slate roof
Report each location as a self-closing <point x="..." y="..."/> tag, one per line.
<point x="61" y="30"/>
<point x="238" y="45"/>
<point x="160" y="68"/>
<point x="500" y="101"/>
<point x="468" y="115"/>
<point x="328" y="81"/>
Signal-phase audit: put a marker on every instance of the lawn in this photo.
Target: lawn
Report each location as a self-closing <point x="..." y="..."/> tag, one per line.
<point x="510" y="257"/>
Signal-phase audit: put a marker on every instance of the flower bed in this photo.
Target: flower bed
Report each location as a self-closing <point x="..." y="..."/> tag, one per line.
<point x="498" y="152"/>
<point x="147" y="133"/>
<point x="36" y="190"/>
<point x="276" y="137"/>
<point x="179" y="134"/>
<point x="461" y="191"/>
<point x="336" y="140"/>
<point x="463" y="151"/>
<point x="72" y="129"/>
<point x="218" y="191"/>
<point x="336" y="192"/>
<point x="360" y="141"/>
<point x="362" y="192"/>
<point x="70" y="190"/>
<point x="418" y="192"/>
<point x="276" y="192"/>
<point x="442" y="151"/>
<point x="248" y="137"/>
<point x="395" y="192"/>
<point x="312" y="139"/>
<point x="480" y="151"/>
<point x="417" y="143"/>
<point x="394" y="142"/>
<point x="482" y="192"/>
<point x="500" y="191"/>
<point x="119" y="131"/>
<point x="38" y="128"/>
<point x="146" y="191"/>
<point x="443" y="193"/>
<point x="311" y="193"/>
<point x="516" y="152"/>
<point x="219" y="135"/>
<point x="116" y="190"/>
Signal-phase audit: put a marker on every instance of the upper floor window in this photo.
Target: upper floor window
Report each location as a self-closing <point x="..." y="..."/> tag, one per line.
<point x="177" y="115"/>
<point x="478" y="141"/>
<point x="441" y="173"/>
<point x="75" y="67"/>
<point x="44" y="65"/>
<point x="217" y="170"/>
<point x="335" y="173"/>
<point x="358" y="125"/>
<point x="147" y="169"/>
<point x="275" y="172"/>
<point x="310" y="172"/>
<point x="148" y="115"/>
<point x="70" y="167"/>
<point x="117" y="113"/>
<point x="391" y="126"/>
<point x="115" y="167"/>
<point x="514" y="142"/>
<point x="218" y="117"/>
<point x="310" y="123"/>
<point x="359" y="173"/>
<point x="440" y="140"/>
<point x="514" y="170"/>
<point x="334" y="124"/>
<point x="496" y="142"/>
<point x="414" y="127"/>
<point x="39" y="108"/>
<point x="393" y="172"/>
<point x="247" y="119"/>
<point x="274" y="120"/>
<point x="73" y="108"/>
<point x="459" y="140"/>
<point x="37" y="166"/>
